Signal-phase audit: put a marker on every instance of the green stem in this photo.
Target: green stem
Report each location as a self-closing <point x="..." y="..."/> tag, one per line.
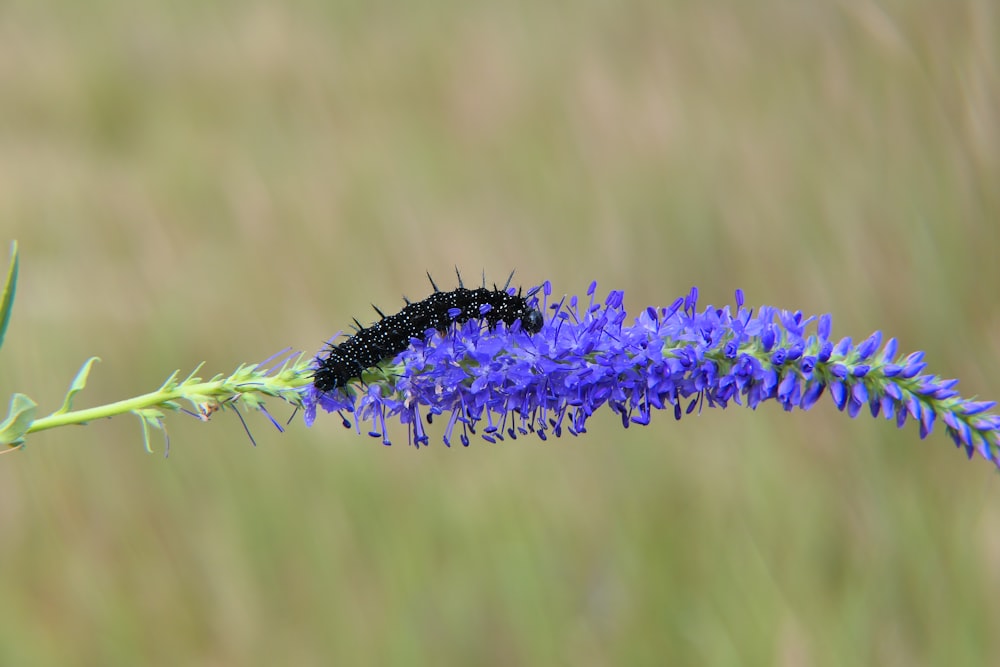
<point x="152" y="399"/>
<point x="249" y="386"/>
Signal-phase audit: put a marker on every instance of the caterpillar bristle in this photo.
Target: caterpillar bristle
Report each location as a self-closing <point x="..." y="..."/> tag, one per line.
<point x="509" y="278"/>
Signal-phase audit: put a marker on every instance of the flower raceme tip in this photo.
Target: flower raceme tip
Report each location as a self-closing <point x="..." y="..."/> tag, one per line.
<point x="504" y="381"/>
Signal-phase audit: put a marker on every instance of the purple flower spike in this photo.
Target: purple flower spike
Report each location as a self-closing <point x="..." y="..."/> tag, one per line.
<point x="504" y="382"/>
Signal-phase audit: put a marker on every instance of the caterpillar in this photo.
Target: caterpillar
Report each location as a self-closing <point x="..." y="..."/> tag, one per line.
<point x="390" y="336"/>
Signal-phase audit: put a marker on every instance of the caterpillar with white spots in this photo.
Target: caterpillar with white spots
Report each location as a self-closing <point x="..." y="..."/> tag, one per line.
<point x="391" y="335"/>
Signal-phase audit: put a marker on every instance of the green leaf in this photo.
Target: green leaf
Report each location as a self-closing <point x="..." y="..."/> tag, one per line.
<point x="149" y="417"/>
<point x="79" y="382"/>
<point x="19" y="418"/>
<point x="191" y="378"/>
<point x="9" y="289"/>
<point x="170" y="382"/>
<point x="145" y="435"/>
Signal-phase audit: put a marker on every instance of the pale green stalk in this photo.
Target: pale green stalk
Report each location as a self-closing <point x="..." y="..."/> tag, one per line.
<point x="246" y="387"/>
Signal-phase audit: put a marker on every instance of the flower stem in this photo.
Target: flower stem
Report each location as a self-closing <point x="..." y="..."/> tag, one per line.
<point x="248" y="386"/>
<point x="151" y="400"/>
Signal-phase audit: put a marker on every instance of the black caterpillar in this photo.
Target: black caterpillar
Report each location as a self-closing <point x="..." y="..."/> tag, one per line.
<point x="390" y="336"/>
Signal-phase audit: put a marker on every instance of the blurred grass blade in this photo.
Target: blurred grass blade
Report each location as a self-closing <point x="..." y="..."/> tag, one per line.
<point x="79" y="382"/>
<point x="9" y="289"/>
<point x="22" y="413"/>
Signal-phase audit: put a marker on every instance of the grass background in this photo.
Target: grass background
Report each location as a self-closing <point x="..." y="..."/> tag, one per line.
<point x="215" y="181"/>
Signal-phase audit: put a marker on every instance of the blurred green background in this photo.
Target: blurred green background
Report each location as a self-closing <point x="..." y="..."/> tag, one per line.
<point x="215" y="181"/>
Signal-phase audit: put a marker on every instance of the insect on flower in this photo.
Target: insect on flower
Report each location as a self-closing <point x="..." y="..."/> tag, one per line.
<point x="552" y="376"/>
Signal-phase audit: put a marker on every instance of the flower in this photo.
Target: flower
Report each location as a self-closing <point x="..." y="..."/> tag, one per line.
<point x="505" y="383"/>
